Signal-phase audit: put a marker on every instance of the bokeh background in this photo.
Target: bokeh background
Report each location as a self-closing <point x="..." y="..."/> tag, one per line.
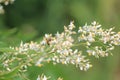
<point x="27" y="20"/>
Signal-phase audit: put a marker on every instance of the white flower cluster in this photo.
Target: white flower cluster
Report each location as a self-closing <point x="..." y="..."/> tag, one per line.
<point x="65" y="47"/>
<point x="43" y="77"/>
<point x="5" y="2"/>
<point x="99" y="42"/>
<point x="61" y="46"/>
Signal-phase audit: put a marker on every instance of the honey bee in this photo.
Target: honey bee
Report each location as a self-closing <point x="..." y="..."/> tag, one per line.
<point x="48" y="41"/>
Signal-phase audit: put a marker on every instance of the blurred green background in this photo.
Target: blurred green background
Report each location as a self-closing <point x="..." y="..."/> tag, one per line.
<point x="27" y="20"/>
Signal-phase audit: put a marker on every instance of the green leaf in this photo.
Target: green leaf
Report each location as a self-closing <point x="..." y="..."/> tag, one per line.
<point x="9" y="75"/>
<point x="6" y="50"/>
<point x="7" y="33"/>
